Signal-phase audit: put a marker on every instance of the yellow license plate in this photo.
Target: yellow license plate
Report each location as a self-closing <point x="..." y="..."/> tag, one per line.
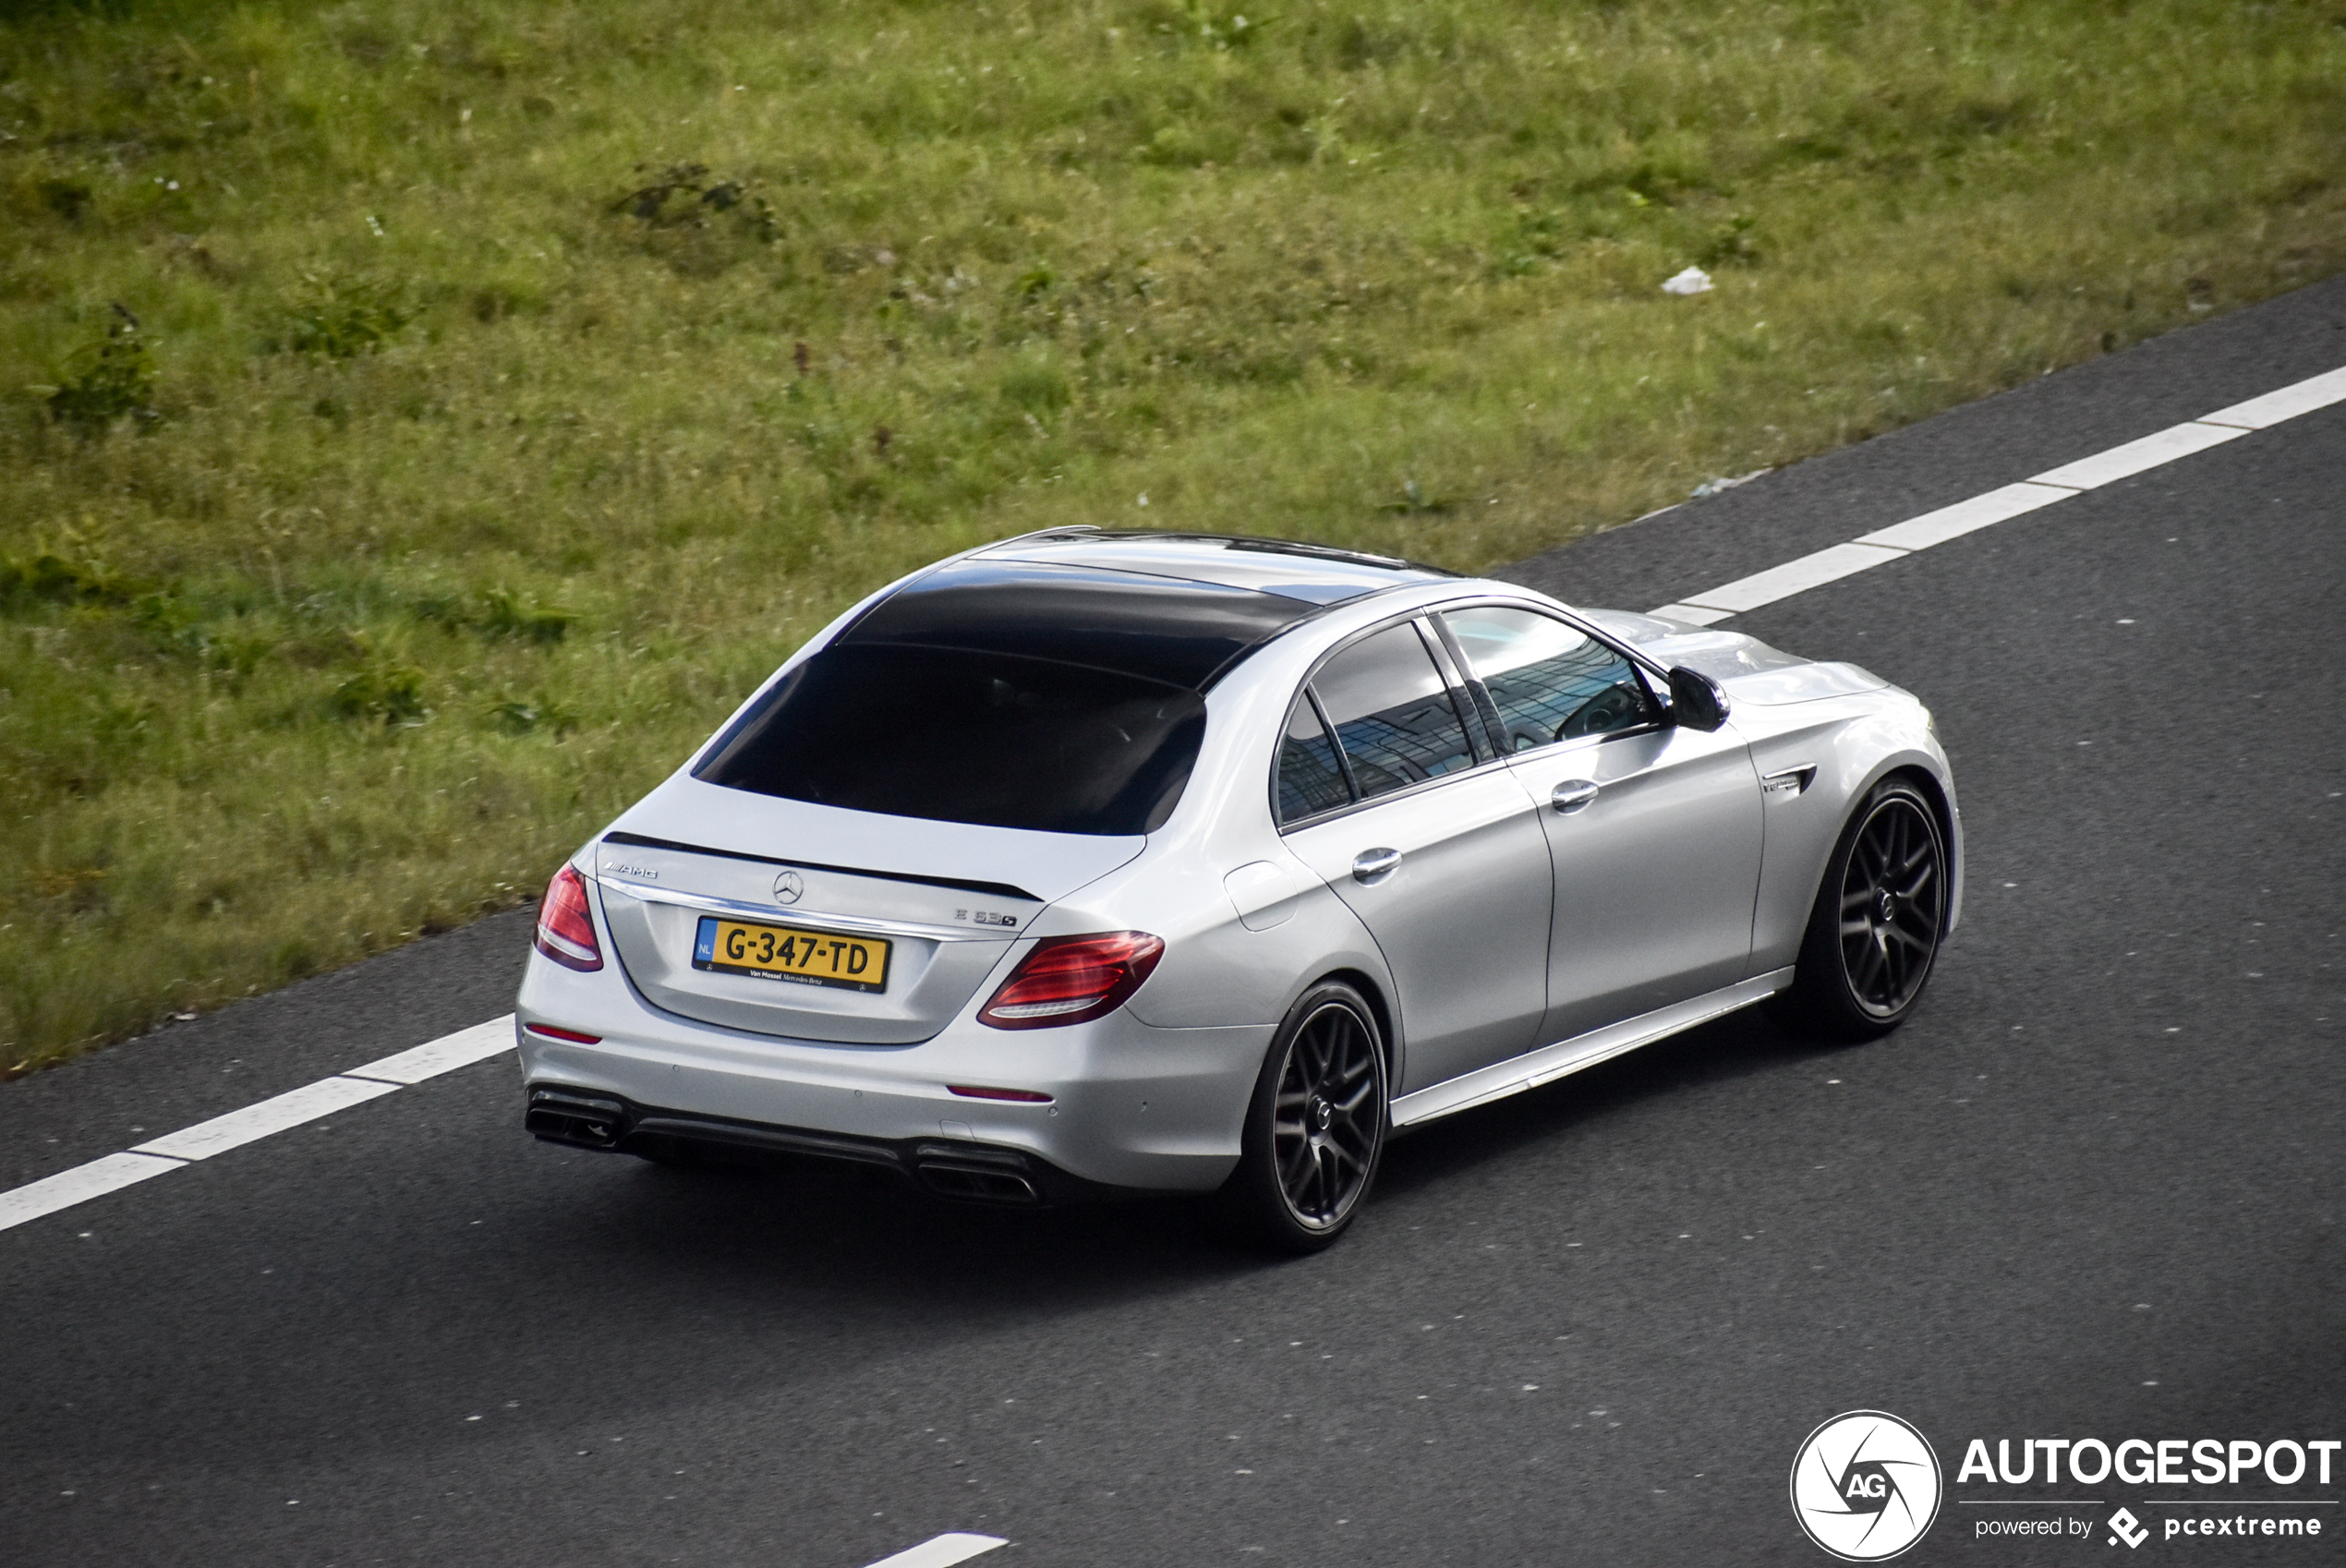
<point x="786" y="952"/>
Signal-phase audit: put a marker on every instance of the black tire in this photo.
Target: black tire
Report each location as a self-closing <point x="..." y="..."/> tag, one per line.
<point x="1880" y="912"/>
<point x="1315" y="1127"/>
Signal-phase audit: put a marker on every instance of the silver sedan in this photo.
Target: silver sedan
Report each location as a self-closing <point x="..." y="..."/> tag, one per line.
<point x="1089" y="862"/>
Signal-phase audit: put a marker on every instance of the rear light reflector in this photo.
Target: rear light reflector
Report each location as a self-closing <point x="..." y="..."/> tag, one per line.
<point x="1072" y="979"/>
<point x="550" y="1033"/>
<point x="1023" y="1096"/>
<point x="565" y="929"/>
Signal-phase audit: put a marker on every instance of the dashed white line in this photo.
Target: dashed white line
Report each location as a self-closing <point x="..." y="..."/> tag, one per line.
<point x="1863" y="553"/>
<point x="1966" y="516"/>
<point x="2288" y="402"/>
<point x="78" y="1186"/>
<point x="255" y="1122"/>
<point x="446" y="1053"/>
<point x="942" y="1551"/>
<point x="2123" y="460"/>
<point x="2139" y="456"/>
<point x="291" y="1109"/>
<point x="1792" y="577"/>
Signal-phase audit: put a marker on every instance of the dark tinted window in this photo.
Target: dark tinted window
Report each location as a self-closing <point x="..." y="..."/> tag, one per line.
<point x="1548" y="681"/>
<point x="1392" y="712"/>
<point x="1310" y="780"/>
<point x="962" y="736"/>
<point x="1161" y="628"/>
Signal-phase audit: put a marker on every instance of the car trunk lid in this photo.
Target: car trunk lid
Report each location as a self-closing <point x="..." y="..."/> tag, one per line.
<point x="789" y="918"/>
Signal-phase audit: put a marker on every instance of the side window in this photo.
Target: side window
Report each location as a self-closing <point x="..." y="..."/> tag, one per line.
<point x="1392" y="713"/>
<point x="1549" y="681"/>
<point x="1311" y="781"/>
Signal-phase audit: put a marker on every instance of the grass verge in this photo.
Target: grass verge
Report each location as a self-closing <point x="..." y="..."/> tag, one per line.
<point x="424" y="420"/>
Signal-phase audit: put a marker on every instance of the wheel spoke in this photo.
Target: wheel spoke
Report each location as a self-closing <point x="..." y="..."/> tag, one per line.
<point x="1864" y="861"/>
<point x="1308" y="1052"/>
<point x="1862" y="981"/>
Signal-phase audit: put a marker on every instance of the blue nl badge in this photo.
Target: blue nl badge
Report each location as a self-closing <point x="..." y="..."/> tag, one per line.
<point x="705" y="944"/>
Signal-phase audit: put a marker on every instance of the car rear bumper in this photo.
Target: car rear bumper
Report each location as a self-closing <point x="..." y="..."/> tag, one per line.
<point x="1128" y="1107"/>
<point x="953" y="1169"/>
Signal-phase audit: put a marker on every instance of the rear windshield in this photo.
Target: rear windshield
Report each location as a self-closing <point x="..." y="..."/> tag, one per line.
<point x="953" y="735"/>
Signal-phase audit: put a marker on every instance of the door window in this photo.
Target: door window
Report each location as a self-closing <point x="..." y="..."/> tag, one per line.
<point x="1547" y="681"/>
<point x="1392" y="713"/>
<point x="1310" y="778"/>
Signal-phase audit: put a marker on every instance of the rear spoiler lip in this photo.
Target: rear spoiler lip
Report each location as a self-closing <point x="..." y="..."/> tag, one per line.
<point x="998" y="890"/>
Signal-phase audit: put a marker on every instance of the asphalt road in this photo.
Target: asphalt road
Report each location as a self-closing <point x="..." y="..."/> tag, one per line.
<point x="2093" y="1188"/>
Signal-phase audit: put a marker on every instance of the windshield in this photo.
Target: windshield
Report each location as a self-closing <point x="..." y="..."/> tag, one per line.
<point x="953" y="735"/>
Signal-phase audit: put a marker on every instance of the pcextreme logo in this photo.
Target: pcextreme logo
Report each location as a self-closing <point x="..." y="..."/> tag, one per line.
<point x="1866" y="1486"/>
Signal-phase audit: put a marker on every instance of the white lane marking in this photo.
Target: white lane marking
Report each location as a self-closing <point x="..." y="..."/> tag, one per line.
<point x="446" y="1053"/>
<point x="1885" y="545"/>
<point x="2304" y="397"/>
<point x="2136" y="456"/>
<point x="78" y="1186"/>
<point x="941" y="1553"/>
<point x="256" y="1121"/>
<point x="1692" y="614"/>
<point x="290" y="1109"/>
<point x="1965" y="516"/>
<point x="1792" y="577"/>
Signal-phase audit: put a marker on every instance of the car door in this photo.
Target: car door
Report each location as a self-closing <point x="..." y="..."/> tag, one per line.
<point x="1384" y="792"/>
<point x="1653" y="829"/>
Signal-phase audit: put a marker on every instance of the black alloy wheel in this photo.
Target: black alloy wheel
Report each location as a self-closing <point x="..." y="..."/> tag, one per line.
<point x="1874" y="932"/>
<point x="1315" y="1130"/>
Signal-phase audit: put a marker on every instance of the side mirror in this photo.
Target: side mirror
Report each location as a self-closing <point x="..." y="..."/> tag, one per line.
<point x="1695" y="700"/>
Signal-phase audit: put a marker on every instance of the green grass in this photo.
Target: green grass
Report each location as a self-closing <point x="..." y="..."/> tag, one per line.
<point x="512" y="385"/>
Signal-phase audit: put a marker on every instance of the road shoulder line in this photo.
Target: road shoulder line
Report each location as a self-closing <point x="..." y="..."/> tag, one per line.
<point x="2105" y="467"/>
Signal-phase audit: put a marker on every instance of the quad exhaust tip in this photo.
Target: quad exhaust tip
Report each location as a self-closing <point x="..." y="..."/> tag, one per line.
<point x="968" y="1173"/>
<point x="974" y="1174"/>
<point x="579" y="1119"/>
<point x="977" y="1186"/>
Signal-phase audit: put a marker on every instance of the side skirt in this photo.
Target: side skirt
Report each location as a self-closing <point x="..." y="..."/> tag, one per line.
<point x="1550" y="1062"/>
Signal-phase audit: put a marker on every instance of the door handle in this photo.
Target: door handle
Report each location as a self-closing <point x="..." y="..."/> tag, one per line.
<point x="1573" y="794"/>
<point x="1375" y="865"/>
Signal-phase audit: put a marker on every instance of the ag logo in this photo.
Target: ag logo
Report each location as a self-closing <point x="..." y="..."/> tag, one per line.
<point x="1865" y="1485"/>
<point x="789" y="887"/>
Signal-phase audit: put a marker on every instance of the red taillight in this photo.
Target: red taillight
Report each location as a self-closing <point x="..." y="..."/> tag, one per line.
<point x="565" y="931"/>
<point x="550" y="1033"/>
<point x="1071" y="979"/>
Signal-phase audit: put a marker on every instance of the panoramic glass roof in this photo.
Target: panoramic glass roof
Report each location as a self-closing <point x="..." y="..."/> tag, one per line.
<point x="1169" y="607"/>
